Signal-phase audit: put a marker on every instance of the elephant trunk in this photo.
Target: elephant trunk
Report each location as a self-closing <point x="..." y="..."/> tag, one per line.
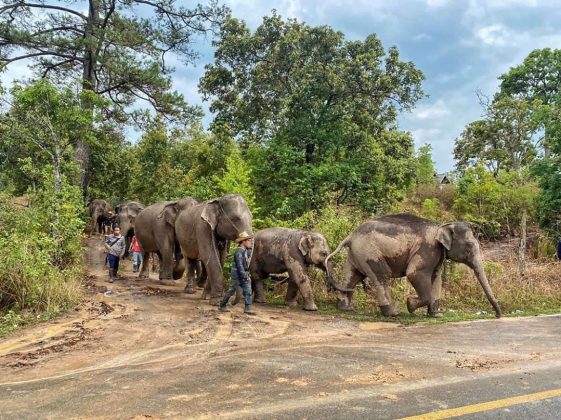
<point x="328" y="267"/>
<point x="482" y="278"/>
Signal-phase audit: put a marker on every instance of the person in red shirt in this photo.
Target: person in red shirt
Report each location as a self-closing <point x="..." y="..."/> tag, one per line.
<point x="136" y="252"/>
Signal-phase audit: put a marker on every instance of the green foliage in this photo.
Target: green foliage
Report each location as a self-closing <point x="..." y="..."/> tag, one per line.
<point x="113" y="165"/>
<point x="430" y="209"/>
<point x="41" y="251"/>
<point x="236" y="179"/>
<point x="109" y="49"/>
<point x="548" y="210"/>
<point x="425" y="165"/>
<point x="41" y="128"/>
<point x="503" y="140"/>
<point x="494" y="204"/>
<point x="326" y="126"/>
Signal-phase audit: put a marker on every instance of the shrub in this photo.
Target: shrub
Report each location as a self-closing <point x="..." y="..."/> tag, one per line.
<point x="41" y="252"/>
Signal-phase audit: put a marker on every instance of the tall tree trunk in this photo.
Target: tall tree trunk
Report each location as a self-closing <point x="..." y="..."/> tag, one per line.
<point x="522" y="246"/>
<point x="88" y="84"/>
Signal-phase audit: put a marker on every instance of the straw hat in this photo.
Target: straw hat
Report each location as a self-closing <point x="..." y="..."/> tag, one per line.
<point x="242" y="237"/>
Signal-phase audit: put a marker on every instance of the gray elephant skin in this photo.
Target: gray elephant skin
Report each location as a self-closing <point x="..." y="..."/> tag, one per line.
<point x="126" y="217"/>
<point x="98" y="208"/>
<point x="406" y="245"/>
<point x="155" y="230"/>
<point x="282" y="250"/>
<point x="204" y="232"/>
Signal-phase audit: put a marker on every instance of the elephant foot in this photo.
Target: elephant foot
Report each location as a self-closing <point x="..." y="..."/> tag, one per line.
<point x="411" y="304"/>
<point x="214" y="301"/>
<point x="433" y="311"/>
<point x="343" y="306"/>
<point x="291" y="302"/>
<point x="310" y="306"/>
<point x="388" y="310"/>
<point x="189" y="290"/>
<point x="169" y="282"/>
<point x="259" y="300"/>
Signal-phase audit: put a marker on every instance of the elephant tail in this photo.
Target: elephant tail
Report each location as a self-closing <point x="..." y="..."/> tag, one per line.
<point x="328" y="266"/>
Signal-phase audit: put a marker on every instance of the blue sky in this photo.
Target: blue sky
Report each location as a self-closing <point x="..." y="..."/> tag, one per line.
<point x="461" y="46"/>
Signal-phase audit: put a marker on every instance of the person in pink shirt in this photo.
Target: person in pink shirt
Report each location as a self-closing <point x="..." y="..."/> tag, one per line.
<point x="136" y="251"/>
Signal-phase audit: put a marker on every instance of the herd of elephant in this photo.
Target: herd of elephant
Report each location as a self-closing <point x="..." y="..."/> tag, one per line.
<point x="193" y="236"/>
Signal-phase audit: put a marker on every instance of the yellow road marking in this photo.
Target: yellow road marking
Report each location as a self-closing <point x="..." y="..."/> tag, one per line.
<point x="491" y="405"/>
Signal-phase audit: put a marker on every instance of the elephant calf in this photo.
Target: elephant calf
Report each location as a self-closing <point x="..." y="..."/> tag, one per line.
<point x="280" y="250"/>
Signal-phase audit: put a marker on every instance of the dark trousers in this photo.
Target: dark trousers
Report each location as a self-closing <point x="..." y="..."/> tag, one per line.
<point x="113" y="261"/>
<point x="246" y="288"/>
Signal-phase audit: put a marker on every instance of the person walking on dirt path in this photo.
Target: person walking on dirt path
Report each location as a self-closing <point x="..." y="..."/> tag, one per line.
<point x="115" y="249"/>
<point x="240" y="274"/>
<point x="136" y="252"/>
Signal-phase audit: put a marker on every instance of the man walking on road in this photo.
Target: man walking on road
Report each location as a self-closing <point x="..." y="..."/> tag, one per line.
<point x="240" y="274"/>
<point x="115" y="249"/>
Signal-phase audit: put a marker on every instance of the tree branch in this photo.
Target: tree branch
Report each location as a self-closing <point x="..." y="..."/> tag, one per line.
<point x="41" y="6"/>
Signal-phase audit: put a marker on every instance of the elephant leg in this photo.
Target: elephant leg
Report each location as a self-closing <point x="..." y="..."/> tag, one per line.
<point x="421" y="282"/>
<point x="291" y="294"/>
<point x="300" y="277"/>
<point x="166" y="266"/>
<point x="215" y="280"/>
<point x="191" y="276"/>
<point x="353" y="277"/>
<point x="206" y="291"/>
<point x="257" y="285"/>
<point x="434" y="308"/>
<point x="379" y="278"/>
<point x="391" y="309"/>
<point x="201" y="275"/>
<point x="145" y="261"/>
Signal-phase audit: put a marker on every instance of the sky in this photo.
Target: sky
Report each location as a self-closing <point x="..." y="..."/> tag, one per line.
<point x="461" y="46"/>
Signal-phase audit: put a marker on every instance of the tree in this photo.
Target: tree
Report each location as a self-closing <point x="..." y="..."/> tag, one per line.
<point x="117" y="49"/>
<point x="236" y="178"/>
<point x="425" y="165"/>
<point x="323" y="108"/>
<point x="41" y="128"/>
<point x="155" y="179"/>
<point x="538" y="77"/>
<point x="505" y="139"/>
<point x="494" y="204"/>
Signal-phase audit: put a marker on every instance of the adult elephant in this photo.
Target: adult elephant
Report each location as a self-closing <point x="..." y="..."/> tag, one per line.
<point x="204" y="232"/>
<point x="155" y="231"/>
<point x="406" y="245"/>
<point x="280" y="250"/>
<point x="126" y="214"/>
<point x="98" y="208"/>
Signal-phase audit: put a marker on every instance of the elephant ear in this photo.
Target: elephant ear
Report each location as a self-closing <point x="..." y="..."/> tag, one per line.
<point x="445" y="234"/>
<point x="209" y="213"/>
<point x="304" y="244"/>
<point x="170" y="213"/>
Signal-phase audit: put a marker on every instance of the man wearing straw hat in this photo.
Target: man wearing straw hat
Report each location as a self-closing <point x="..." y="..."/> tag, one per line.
<point x="240" y="274"/>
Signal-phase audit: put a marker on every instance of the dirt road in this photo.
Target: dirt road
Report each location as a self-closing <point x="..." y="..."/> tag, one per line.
<point x="136" y="349"/>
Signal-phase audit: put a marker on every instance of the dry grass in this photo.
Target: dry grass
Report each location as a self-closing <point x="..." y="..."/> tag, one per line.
<point x="538" y="292"/>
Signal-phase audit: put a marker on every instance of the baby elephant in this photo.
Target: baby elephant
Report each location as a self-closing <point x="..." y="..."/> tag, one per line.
<point x="280" y="250"/>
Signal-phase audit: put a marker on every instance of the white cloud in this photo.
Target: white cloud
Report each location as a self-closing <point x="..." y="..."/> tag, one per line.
<point x="437" y="3"/>
<point x="431" y="111"/>
<point x="492" y="35"/>
<point x="422" y="37"/>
